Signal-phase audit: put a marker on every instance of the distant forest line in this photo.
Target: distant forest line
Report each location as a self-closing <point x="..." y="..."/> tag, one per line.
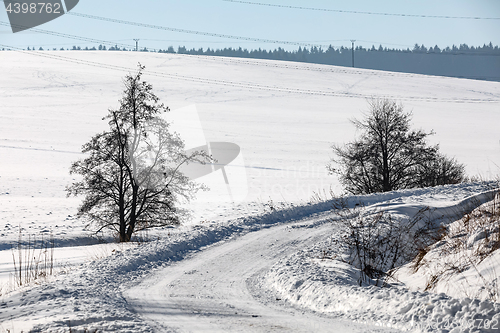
<point x="481" y="63"/>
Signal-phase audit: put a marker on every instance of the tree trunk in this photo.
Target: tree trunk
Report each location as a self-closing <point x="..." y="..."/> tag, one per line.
<point x="386" y="186"/>
<point x="133" y="212"/>
<point x="123" y="225"/>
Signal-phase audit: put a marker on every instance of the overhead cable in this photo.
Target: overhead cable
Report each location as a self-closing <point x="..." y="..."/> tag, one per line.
<point x="363" y="12"/>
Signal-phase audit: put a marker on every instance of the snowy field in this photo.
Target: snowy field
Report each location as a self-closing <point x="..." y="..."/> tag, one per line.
<point x="253" y="266"/>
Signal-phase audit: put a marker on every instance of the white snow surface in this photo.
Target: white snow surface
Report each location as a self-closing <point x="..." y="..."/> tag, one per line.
<point x="254" y="273"/>
<point x="460" y="264"/>
<point x="253" y="267"/>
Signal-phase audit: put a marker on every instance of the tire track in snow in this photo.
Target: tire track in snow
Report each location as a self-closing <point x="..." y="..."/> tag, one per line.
<point x="42" y="149"/>
<point x="209" y="292"/>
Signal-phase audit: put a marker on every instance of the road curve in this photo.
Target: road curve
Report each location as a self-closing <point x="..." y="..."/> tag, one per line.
<point x="214" y="290"/>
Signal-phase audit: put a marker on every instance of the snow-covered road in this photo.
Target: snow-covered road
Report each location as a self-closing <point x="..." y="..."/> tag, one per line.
<point x="216" y="290"/>
<point x="246" y="272"/>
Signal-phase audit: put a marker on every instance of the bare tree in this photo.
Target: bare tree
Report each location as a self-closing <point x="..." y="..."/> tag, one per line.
<point x="131" y="178"/>
<point x="389" y="155"/>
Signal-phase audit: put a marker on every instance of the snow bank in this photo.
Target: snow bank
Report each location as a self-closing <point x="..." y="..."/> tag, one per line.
<point x="318" y="279"/>
<point x="466" y="262"/>
<point x="91" y="297"/>
<point x="330" y="287"/>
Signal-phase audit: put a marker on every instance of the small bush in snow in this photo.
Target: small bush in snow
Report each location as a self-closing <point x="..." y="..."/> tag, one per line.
<point x="390" y="156"/>
<point x="378" y="243"/>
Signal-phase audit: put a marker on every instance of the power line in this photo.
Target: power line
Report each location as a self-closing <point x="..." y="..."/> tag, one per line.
<point x="92" y="40"/>
<point x="132" y="47"/>
<point x="191" y="41"/>
<point x="58" y="34"/>
<point x="365" y="13"/>
<point x="251" y="39"/>
<point x="194" y="32"/>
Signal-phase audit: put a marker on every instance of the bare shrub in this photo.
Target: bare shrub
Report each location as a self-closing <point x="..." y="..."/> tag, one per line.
<point x="35" y="260"/>
<point x="378" y="243"/>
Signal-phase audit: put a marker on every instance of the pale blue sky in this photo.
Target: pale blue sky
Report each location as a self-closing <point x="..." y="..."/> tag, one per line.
<point x="263" y="22"/>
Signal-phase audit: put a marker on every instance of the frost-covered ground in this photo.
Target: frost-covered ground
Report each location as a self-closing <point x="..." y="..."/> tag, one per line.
<point x="284" y="116"/>
<point x="255" y="273"/>
<point x="465" y="262"/>
<point x="317" y="277"/>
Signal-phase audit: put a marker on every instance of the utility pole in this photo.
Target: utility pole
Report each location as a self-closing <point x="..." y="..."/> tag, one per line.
<point x="136" y="45"/>
<point x="352" y="41"/>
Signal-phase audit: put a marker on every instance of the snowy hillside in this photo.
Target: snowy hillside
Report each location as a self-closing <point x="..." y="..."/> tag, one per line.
<point x="262" y="257"/>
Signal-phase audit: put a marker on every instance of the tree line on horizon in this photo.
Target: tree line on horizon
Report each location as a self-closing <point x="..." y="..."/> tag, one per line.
<point x="481" y="62"/>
